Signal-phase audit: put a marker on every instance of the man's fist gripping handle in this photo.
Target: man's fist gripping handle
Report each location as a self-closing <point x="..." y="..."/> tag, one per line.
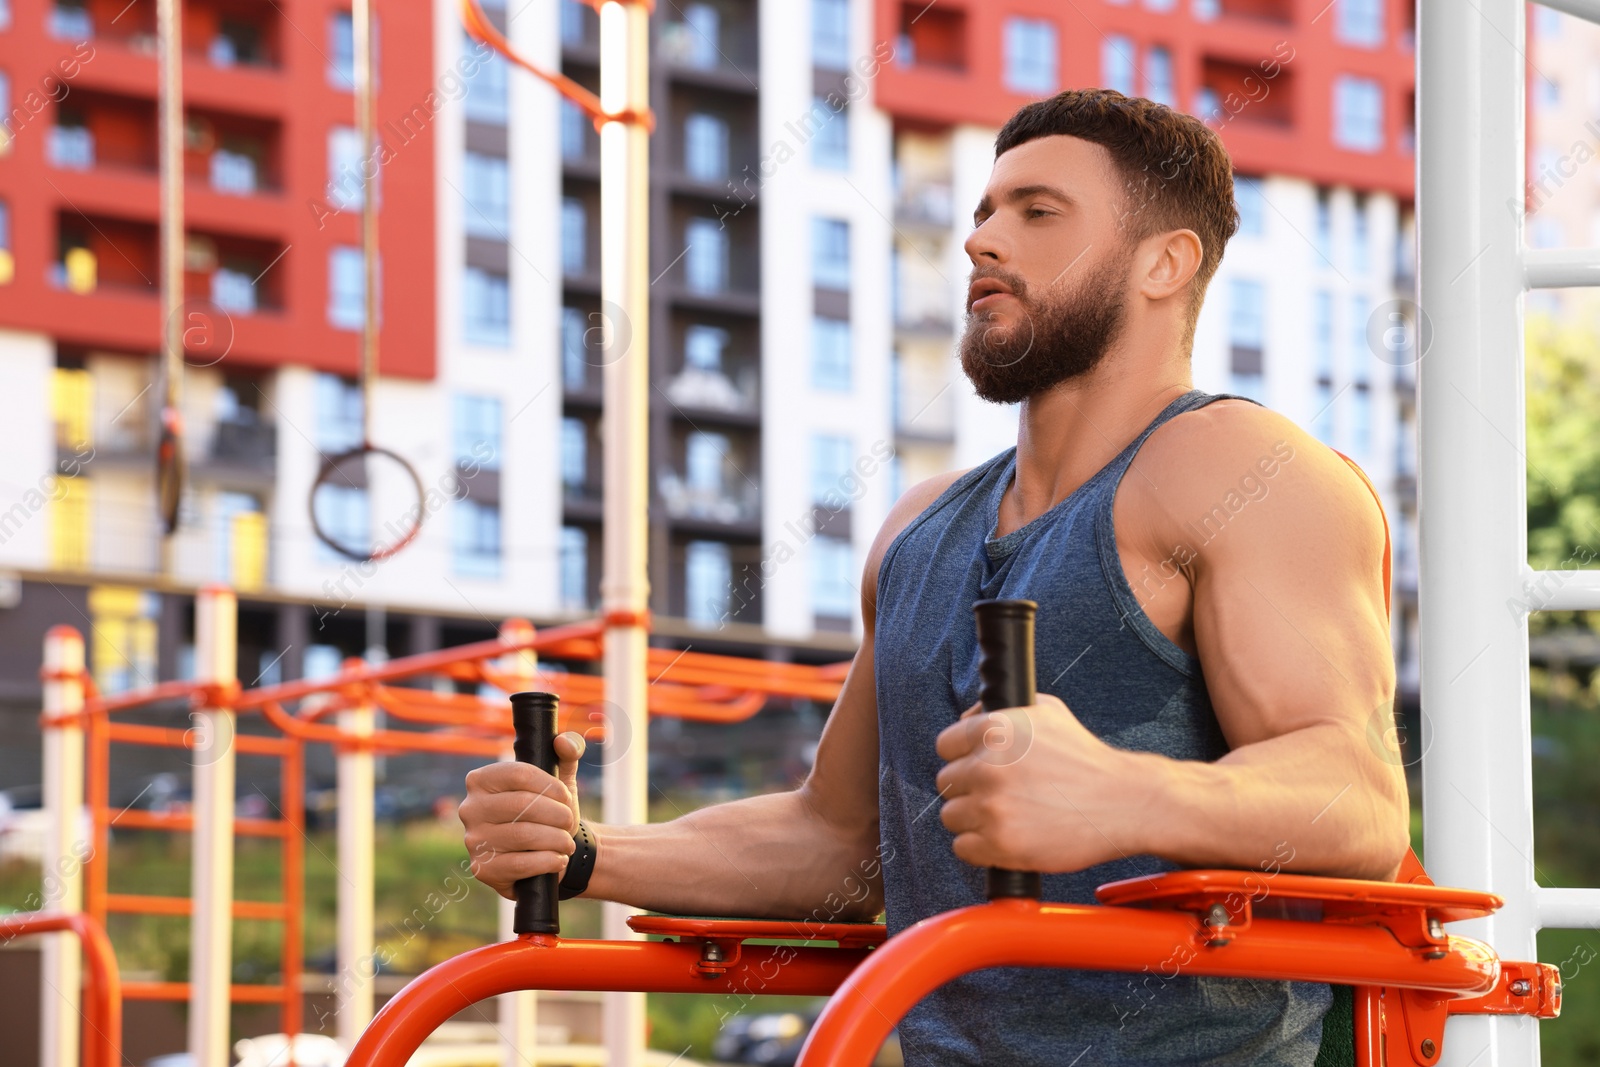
<point x="1005" y="677"/>
<point x="533" y="717"/>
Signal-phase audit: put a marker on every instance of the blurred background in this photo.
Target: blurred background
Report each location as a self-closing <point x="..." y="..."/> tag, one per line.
<point x="813" y="171"/>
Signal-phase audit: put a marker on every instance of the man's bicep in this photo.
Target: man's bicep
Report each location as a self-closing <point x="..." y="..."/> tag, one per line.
<point x="1289" y="616"/>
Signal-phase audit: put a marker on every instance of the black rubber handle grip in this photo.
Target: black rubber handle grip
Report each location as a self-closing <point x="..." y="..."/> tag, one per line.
<point x="1005" y="677"/>
<point x="533" y="717"/>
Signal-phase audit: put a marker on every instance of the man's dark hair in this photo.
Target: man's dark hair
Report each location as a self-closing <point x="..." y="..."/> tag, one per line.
<point x="1176" y="173"/>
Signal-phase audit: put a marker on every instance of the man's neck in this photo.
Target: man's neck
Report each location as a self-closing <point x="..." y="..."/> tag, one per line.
<point x="1067" y="434"/>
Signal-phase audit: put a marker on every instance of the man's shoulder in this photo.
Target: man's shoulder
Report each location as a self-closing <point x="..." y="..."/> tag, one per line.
<point x="1222" y="459"/>
<point x="912" y="503"/>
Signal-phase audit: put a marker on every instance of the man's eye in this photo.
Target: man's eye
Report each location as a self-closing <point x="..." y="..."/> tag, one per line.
<point x="1037" y="212"/>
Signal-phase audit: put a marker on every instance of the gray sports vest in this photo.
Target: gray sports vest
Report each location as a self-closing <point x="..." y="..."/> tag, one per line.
<point x="1128" y="683"/>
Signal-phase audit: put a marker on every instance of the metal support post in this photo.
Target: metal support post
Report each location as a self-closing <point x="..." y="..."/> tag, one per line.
<point x="211" y="924"/>
<point x="66" y="847"/>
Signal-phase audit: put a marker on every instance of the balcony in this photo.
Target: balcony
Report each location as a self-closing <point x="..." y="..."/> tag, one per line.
<point x="711" y="507"/>
<point x="1234" y="92"/>
<point x="925" y="206"/>
<point x="924" y="406"/>
<point x="711" y="393"/>
<point x="932" y="37"/>
<point x="243" y="446"/>
<point x="706" y="46"/>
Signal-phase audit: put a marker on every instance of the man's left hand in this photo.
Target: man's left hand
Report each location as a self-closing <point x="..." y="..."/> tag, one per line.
<point x="1031" y="789"/>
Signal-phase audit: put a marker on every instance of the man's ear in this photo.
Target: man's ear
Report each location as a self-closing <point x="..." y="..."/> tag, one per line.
<point x="1172" y="258"/>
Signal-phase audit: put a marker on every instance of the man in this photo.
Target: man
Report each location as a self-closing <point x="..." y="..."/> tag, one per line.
<point x="1235" y="545"/>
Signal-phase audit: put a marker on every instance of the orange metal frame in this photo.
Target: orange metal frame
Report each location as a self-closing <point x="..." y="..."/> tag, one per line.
<point x="689" y="685"/>
<point x="102" y="1009"/>
<point x="1385" y="938"/>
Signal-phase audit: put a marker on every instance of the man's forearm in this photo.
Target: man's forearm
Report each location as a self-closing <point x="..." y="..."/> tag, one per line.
<point x="761" y="857"/>
<point x="1317" y="801"/>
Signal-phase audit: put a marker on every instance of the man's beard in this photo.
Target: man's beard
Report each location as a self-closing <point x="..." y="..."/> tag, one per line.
<point x="1059" y="336"/>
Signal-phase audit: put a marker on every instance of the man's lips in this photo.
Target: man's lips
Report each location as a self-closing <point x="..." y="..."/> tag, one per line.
<point x="988" y="298"/>
<point x="986" y="290"/>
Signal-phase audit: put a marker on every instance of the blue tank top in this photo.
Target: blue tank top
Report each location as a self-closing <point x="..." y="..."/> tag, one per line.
<point x="1099" y="652"/>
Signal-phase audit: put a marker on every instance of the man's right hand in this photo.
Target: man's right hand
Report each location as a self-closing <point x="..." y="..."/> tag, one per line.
<point x="519" y="819"/>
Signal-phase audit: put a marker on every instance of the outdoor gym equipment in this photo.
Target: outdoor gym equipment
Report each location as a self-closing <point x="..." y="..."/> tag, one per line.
<point x="1386" y="939"/>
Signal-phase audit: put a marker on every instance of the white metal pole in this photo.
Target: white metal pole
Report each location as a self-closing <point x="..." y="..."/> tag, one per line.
<point x="66" y="846"/>
<point x="625" y="583"/>
<point x="357" y="964"/>
<point x="519" y="1011"/>
<point x="211" y="925"/>
<point x="1477" y="789"/>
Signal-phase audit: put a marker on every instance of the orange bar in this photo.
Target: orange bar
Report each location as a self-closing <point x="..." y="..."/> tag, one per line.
<point x="239" y="994"/>
<point x="170" y="737"/>
<point x="533" y="962"/>
<point x="292" y="789"/>
<point x="1028" y="933"/>
<point x="102" y="1029"/>
<point x="141" y="904"/>
<point x="569" y="639"/>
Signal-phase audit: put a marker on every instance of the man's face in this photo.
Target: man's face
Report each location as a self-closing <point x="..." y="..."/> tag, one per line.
<point x="1050" y="264"/>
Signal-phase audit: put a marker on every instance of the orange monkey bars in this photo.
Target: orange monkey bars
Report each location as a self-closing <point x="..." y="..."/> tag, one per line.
<point x="690" y="685"/>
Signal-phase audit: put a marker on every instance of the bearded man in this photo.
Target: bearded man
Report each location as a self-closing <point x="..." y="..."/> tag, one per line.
<point x="1206" y="670"/>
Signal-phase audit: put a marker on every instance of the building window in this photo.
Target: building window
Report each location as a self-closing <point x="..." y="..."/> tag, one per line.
<point x="347" y="288"/>
<point x="341" y="51"/>
<point x="695" y="41"/>
<point x="70" y="524"/>
<point x="1322" y="329"/>
<point x="830" y="464"/>
<point x="241" y="541"/>
<point x="575" y="127"/>
<point x="485" y="307"/>
<point x="574" y="456"/>
<point x="486" y="184"/>
<point x="832" y="593"/>
<point x="475" y="538"/>
<point x="338" y="407"/>
<point x="1360" y="22"/>
<point x="1360" y="312"/>
<point x="343" y="514"/>
<point x="1322" y="342"/>
<point x="71" y="144"/>
<point x="1116" y="63"/>
<point x="1548" y="23"/>
<point x="1360" y="238"/>
<point x="477" y="432"/>
<point x="1361" y="417"/>
<point x="346" y="184"/>
<point x="830" y="354"/>
<point x="1205" y="10"/>
<point x="574" y="349"/>
<point x="708" y="574"/>
<point x="704" y="462"/>
<point x="1031" y="56"/>
<point x="830" y="253"/>
<point x="1158" y="75"/>
<point x="1247" y="336"/>
<point x="1247" y="195"/>
<point x="1323" y="227"/>
<point x="705" y="147"/>
<point x="233" y="290"/>
<point x="1357" y="113"/>
<point x="830" y="145"/>
<point x="574" y="569"/>
<point x="233" y="172"/>
<point x="703" y="347"/>
<point x="572" y="17"/>
<point x="830" y="34"/>
<point x="705" y="256"/>
<point x="574" y="236"/>
<point x="486" y="99"/>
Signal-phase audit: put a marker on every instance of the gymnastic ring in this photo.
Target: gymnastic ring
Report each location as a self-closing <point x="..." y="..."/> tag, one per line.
<point x="329" y="465"/>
